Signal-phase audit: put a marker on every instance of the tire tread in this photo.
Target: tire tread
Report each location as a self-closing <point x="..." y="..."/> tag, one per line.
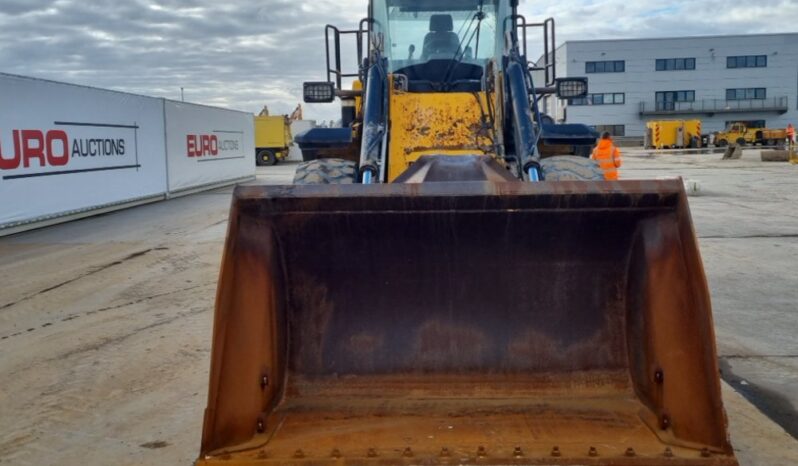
<point x="326" y="171"/>
<point x="570" y="168"/>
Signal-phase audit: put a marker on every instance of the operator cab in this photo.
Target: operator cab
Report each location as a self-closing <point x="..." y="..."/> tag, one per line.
<point x="438" y="46"/>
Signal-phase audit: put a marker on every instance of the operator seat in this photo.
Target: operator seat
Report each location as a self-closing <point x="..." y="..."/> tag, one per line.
<point x="440" y="41"/>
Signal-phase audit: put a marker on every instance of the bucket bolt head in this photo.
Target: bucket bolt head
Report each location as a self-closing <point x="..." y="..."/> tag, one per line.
<point x="336" y="453"/>
<point x="371" y="453"/>
<point x="260" y="426"/>
<point x="264" y="381"/>
<point x="517" y="452"/>
<point x="592" y="452"/>
<point x="665" y="422"/>
<point x="555" y="451"/>
<point x="299" y="453"/>
<point x="706" y="453"/>
<point x="408" y="452"/>
<point x="659" y="376"/>
<point x="630" y="452"/>
<point x="445" y="452"/>
<point x="668" y="452"/>
<point x="481" y="452"/>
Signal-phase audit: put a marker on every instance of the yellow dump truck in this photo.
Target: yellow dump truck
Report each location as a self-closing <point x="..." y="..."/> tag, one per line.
<point x="673" y="134"/>
<point x="741" y="134"/>
<point x="455" y="285"/>
<point x="272" y="139"/>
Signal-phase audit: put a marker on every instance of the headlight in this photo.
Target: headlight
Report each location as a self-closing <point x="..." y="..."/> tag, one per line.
<point x="318" y="92"/>
<point x="571" y="88"/>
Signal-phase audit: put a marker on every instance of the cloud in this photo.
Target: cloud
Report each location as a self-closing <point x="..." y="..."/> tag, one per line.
<point x="246" y="53"/>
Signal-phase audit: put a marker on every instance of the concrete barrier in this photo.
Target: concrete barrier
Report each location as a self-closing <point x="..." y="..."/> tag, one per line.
<point x="733" y="152"/>
<point x="775" y="156"/>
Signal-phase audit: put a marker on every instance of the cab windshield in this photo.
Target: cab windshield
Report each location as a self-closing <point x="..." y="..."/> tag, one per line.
<point x="417" y="31"/>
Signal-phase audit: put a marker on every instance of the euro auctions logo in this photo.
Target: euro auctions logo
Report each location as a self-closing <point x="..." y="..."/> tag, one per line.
<point x="77" y="148"/>
<point x="221" y="145"/>
<point x="36" y="148"/>
<point x="200" y="145"/>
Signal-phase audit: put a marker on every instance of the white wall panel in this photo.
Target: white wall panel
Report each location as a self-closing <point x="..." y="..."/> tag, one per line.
<point x="67" y="148"/>
<point x="207" y="145"/>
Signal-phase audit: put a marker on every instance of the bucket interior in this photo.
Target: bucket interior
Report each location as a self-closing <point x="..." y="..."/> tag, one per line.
<point x="417" y="320"/>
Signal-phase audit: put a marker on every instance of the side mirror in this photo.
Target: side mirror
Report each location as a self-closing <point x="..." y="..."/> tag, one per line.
<point x="571" y="88"/>
<point x="318" y="92"/>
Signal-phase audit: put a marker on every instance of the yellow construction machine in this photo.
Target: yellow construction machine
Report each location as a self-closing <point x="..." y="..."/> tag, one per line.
<point x="455" y="286"/>
<point x="741" y="134"/>
<point x="272" y="139"/>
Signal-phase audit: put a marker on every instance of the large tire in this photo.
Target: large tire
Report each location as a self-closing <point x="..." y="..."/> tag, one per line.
<point x="266" y="157"/>
<point x="721" y="143"/>
<point x="326" y="171"/>
<point x="570" y="168"/>
<point x="741" y="142"/>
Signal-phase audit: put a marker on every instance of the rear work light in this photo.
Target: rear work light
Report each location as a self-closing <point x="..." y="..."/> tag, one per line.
<point x="318" y="92"/>
<point x="571" y="88"/>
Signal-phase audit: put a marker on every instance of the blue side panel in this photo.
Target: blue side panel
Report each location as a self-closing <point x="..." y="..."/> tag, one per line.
<point x="324" y="137"/>
<point x="571" y="134"/>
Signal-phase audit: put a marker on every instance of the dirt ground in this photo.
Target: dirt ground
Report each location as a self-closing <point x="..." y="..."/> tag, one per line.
<point x="105" y="322"/>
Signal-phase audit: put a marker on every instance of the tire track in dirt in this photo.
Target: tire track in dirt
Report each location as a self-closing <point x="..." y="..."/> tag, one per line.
<point x="82" y="276"/>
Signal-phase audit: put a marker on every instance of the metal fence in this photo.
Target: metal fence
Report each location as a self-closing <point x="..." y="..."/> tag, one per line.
<point x="712" y="106"/>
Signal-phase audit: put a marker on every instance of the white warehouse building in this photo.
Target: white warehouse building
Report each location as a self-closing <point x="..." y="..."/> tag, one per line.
<point x="717" y="79"/>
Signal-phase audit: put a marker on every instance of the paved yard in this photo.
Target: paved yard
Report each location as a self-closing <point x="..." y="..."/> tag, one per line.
<point x="105" y="323"/>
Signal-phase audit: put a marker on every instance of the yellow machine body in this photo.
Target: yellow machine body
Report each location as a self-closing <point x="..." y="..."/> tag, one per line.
<point x="274" y="133"/>
<point x="437" y="123"/>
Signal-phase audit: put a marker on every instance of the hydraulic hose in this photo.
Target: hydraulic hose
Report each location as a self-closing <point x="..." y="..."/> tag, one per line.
<point x="373" y="124"/>
<point x="526" y="137"/>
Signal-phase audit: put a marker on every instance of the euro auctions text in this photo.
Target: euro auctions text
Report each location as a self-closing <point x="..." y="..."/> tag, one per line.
<point x="33" y="147"/>
<point x="73" y="145"/>
<point x="200" y="145"/>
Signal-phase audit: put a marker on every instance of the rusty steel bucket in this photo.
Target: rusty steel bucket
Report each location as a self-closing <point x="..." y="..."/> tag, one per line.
<point x="464" y="323"/>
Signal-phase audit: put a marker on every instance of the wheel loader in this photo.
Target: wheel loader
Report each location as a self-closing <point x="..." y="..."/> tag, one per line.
<point x="448" y="281"/>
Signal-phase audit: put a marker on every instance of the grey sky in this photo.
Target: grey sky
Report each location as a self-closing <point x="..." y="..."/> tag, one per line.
<point x="246" y="53"/>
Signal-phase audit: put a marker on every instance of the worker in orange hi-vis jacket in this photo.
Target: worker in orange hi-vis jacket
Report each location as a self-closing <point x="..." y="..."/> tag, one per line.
<point x="791" y="133"/>
<point x="608" y="157"/>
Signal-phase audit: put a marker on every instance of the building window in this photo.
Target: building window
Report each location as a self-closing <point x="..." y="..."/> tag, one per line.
<point x="614" y="130"/>
<point x="612" y="66"/>
<point x="667" y="100"/>
<point x="675" y="64"/>
<point x="615" y="98"/>
<point x="751" y="93"/>
<point x="747" y="61"/>
<point x="749" y="123"/>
